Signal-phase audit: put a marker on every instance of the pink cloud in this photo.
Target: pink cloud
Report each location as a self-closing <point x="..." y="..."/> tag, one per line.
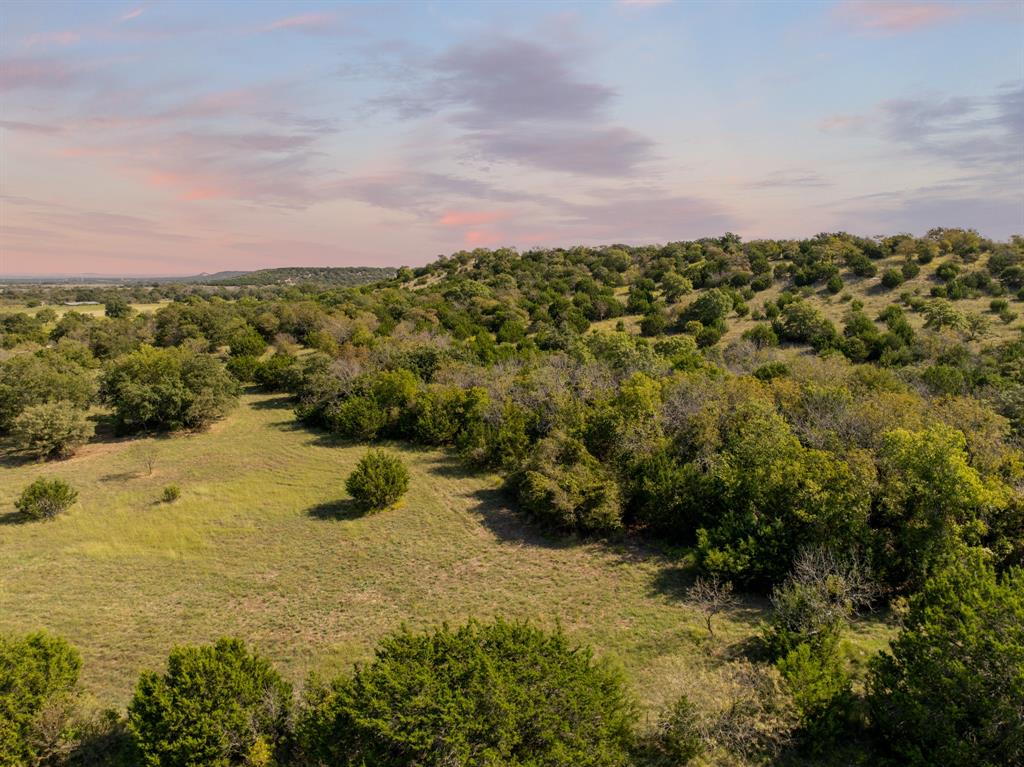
<point x="33" y="73"/>
<point x="303" y="21"/>
<point x="471" y="217"/>
<point x="480" y="238"/>
<point x="843" y="123"/>
<point x="891" y="18"/>
<point x="67" y="37"/>
<point x="133" y="14"/>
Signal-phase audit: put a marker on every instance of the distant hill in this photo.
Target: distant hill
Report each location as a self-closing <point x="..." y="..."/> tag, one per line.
<point x="326" y="275"/>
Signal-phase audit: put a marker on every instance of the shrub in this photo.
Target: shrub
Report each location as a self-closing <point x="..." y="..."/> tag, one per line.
<point x="951" y="689"/>
<point x="38" y="673"/>
<point x="834" y="284"/>
<point x="761" y="335"/>
<point x="53" y="430"/>
<point x="168" y="389"/>
<point x="564" y="486"/>
<point x="356" y="418"/>
<point x="216" y="705"/>
<point x="821" y="690"/>
<point x="171" y="493"/>
<point x="676" y="739"/>
<point x="480" y="695"/>
<point x="45" y="498"/>
<point x="378" y="481"/>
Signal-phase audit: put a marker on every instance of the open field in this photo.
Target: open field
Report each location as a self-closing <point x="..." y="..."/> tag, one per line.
<point x="94" y="310"/>
<point x="261" y="544"/>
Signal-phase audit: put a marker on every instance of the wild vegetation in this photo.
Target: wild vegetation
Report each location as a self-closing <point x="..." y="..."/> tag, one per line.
<point x="821" y="430"/>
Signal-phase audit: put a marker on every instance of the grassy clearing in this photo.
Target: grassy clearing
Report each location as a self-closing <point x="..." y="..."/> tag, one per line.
<point x="94" y="310"/>
<point x="263" y="544"/>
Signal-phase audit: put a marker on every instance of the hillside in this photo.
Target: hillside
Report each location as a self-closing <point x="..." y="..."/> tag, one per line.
<point x="343" y="276"/>
<point x="826" y="433"/>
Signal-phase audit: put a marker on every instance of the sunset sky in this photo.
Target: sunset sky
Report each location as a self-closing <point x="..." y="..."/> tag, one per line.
<point x="174" y="138"/>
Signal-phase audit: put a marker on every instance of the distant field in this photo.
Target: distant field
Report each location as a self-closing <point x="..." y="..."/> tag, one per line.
<point x="261" y="545"/>
<point x="93" y="309"/>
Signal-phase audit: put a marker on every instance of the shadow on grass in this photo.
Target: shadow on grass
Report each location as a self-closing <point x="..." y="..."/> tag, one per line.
<point x="122" y="476"/>
<point x="673" y="582"/>
<point x="13" y="518"/>
<point x="335" y="510"/>
<point x="281" y="402"/>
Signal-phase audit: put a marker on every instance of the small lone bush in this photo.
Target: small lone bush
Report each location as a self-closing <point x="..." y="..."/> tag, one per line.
<point x="46" y="498"/>
<point x="171" y="493"/>
<point x="379" y="480"/>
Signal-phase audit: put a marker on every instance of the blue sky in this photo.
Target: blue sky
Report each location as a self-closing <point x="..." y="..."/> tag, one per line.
<point x="163" y="138"/>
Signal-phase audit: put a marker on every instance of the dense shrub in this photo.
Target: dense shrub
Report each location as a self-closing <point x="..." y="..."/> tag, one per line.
<point x="216" y="705"/>
<point x="38" y="675"/>
<point x="53" y="430"/>
<point x="480" y="695"/>
<point x="951" y="689"/>
<point x="378" y="481"/>
<point x="170" y="494"/>
<point x="167" y="389"/>
<point x="45" y="499"/>
<point x="565" y="487"/>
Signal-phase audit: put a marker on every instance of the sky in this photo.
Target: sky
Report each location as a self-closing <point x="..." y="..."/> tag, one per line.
<point x="162" y="138"/>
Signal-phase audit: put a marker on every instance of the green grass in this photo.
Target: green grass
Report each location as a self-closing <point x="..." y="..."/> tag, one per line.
<point x="263" y="545"/>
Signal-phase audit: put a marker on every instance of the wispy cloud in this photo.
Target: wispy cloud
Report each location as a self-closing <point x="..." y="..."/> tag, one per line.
<point x="974" y="131"/>
<point x="315" y="23"/>
<point x="879" y="17"/>
<point x="522" y="102"/>
<point x="132" y="14"/>
<point x="34" y="72"/>
<point x="790" y="178"/>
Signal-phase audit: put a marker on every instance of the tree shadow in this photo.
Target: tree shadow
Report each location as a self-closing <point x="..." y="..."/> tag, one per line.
<point x="333" y="511"/>
<point x="673" y="581"/>
<point x="13" y="518"/>
<point x="121" y="476"/>
<point x="281" y="402"/>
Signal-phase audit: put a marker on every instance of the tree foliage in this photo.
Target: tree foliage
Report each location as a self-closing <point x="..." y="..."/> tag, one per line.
<point x="215" y="705"/>
<point x="482" y="694"/>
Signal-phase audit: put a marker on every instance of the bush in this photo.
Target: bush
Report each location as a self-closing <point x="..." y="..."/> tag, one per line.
<point x="821" y="691"/>
<point x="356" y="418"/>
<point x="677" y="738"/>
<point x="52" y="430"/>
<point x="378" y="481"/>
<point x="45" y="498"/>
<point x="216" y="705"/>
<point x="834" y="284"/>
<point x="171" y="494"/>
<point x="564" y="486"/>
<point x="168" y="389"/>
<point x="484" y="694"/>
<point x="38" y="674"/>
<point x="951" y="689"/>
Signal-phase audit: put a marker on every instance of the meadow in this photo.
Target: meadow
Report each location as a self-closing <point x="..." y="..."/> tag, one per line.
<point x="263" y="544"/>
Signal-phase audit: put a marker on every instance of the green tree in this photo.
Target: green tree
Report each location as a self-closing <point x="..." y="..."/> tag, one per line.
<point x="931" y="500"/>
<point x="378" y="481"/>
<point x="117" y="307"/>
<point x="951" y="689"/>
<point x="38" y="673"/>
<point x="216" y="705"/>
<point x="45" y="499"/>
<point x="167" y="389"/>
<point x="480" y="695"/>
<point x="53" y="430"/>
